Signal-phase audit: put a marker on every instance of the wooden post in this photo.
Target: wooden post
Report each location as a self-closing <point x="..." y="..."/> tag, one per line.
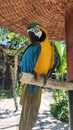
<point x="69" y="46"/>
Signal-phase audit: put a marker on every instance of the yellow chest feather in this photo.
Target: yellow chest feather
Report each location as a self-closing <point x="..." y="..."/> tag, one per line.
<point x="46" y="58"/>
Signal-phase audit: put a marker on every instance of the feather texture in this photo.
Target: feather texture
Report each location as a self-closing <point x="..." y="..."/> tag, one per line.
<point x="31" y="95"/>
<point x="30" y="108"/>
<point x="42" y="58"/>
<point x="29" y="60"/>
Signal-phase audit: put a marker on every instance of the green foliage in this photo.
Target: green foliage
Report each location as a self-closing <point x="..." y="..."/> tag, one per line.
<point x="9" y="94"/>
<point x="11" y="36"/>
<point x="60" y="108"/>
<point x="16" y="44"/>
<point x="14" y="41"/>
<point x="61" y="73"/>
<point x="6" y="94"/>
<point x="19" y="90"/>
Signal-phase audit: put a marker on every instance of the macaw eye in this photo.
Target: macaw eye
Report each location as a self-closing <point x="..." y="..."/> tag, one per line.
<point x="35" y="30"/>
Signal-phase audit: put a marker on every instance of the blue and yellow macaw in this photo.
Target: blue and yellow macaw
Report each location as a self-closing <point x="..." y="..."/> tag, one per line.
<point x="39" y="58"/>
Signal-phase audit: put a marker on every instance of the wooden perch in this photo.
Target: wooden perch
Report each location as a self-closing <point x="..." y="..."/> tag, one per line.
<point x="51" y="83"/>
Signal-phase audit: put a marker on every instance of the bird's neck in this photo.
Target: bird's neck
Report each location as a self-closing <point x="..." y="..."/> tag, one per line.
<point x="46" y="41"/>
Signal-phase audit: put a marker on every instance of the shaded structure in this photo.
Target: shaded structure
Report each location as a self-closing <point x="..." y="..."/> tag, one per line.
<point x="16" y="14"/>
<point x="5" y="73"/>
<point x="11" y="73"/>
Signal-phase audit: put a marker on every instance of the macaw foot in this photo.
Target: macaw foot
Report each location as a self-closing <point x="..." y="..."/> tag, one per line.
<point x="35" y="75"/>
<point x="45" y="78"/>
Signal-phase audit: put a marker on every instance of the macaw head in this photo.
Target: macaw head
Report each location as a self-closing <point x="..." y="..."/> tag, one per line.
<point x="36" y="32"/>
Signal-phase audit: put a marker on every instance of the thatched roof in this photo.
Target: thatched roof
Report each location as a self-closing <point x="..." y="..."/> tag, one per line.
<point x="16" y="14"/>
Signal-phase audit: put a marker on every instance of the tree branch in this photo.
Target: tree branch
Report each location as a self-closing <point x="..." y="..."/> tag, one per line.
<point x="51" y="83"/>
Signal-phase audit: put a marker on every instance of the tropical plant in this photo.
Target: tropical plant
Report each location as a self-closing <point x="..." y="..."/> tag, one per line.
<point x="16" y="45"/>
<point x="62" y="71"/>
<point x="60" y="108"/>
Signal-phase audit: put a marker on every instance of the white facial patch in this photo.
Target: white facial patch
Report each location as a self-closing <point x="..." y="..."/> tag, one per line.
<point x="36" y="31"/>
<point x="38" y="34"/>
<point x="30" y="30"/>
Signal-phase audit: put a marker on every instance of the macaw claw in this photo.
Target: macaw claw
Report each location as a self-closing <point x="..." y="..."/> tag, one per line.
<point x="35" y="75"/>
<point x="45" y="78"/>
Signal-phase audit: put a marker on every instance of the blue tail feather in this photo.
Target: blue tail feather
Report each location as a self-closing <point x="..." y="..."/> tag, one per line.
<point x="32" y="89"/>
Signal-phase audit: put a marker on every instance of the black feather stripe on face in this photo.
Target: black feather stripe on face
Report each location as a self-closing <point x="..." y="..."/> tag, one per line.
<point x="34" y="38"/>
<point x="43" y="37"/>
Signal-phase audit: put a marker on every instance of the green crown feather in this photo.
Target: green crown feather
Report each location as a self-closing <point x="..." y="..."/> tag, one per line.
<point x="33" y="24"/>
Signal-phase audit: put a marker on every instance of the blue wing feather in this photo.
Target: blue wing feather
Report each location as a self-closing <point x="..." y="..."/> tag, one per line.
<point x="29" y="60"/>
